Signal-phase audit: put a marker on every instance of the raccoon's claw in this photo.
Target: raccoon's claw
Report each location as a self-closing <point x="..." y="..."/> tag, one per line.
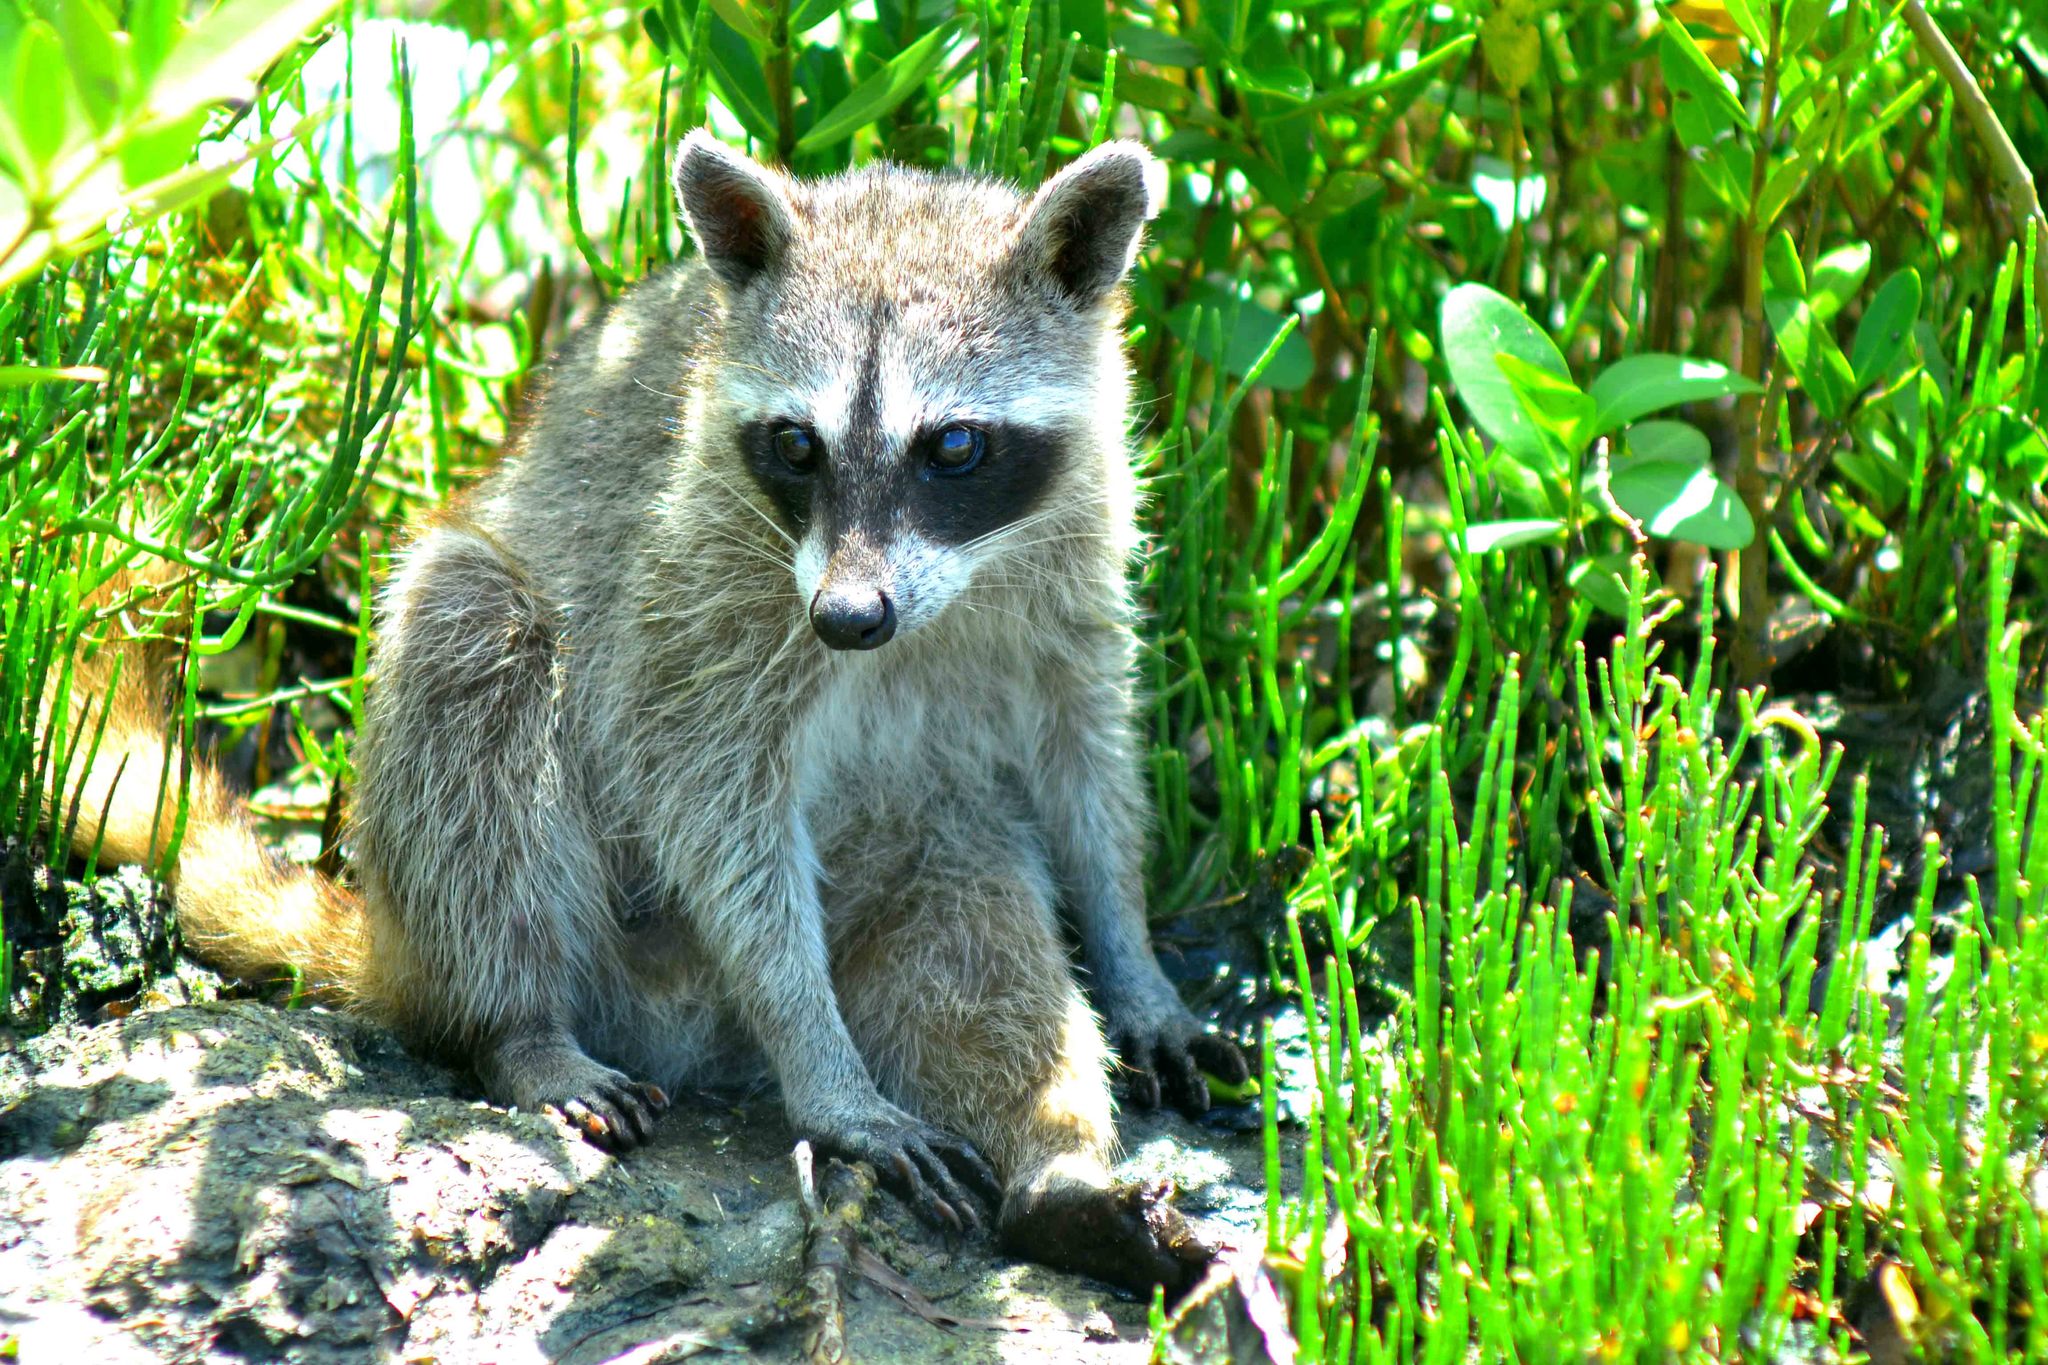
<point x="1170" y="1059"/>
<point x="615" y="1114"/>
<point x="925" y="1166"/>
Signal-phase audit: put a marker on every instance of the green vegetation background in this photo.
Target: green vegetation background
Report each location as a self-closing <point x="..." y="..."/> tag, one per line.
<point x="1596" y="455"/>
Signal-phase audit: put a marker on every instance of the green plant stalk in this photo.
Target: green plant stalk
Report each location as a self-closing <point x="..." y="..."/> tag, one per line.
<point x="2016" y="186"/>
<point x="608" y="276"/>
<point x="1750" y="661"/>
<point x="780" y="73"/>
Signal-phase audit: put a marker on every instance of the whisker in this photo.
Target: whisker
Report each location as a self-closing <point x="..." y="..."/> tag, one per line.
<point x="1000" y="532"/>
<point x="979" y="607"/>
<point x="744" y="500"/>
<point x="719" y="536"/>
<point x="1054" y="539"/>
<point x="661" y="393"/>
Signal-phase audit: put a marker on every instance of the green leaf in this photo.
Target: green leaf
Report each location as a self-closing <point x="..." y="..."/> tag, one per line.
<point x="1528" y="489"/>
<point x="1192" y="145"/>
<point x="1810" y="350"/>
<point x="184" y="187"/>
<point x="1150" y="45"/>
<point x="739" y="16"/>
<point x="737" y="73"/>
<point x="1702" y="96"/>
<point x="1836" y="278"/>
<point x="1249" y="328"/>
<point x="1511" y="44"/>
<point x="1478" y="324"/>
<point x="822" y="76"/>
<point x="152" y="31"/>
<point x="160" y="148"/>
<point x="1601" y="580"/>
<point x="657" y="30"/>
<point x="1876" y="474"/>
<point x="806" y="15"/>
<point x="1744" y="13"/>
<point x="1886" y="329"/>
<point x="41" y="108"/>
<point x="1782" y="269"/>
<point x="1404" y="85"/>
<point x="1642" y="384"/>
<point x="1674" y="442"/>
<point x="99" y="72"/>
<point x="874" y="97"/>
<point x="1803" y="19"/>
<point x="1228" y="1092"/>
<point x="227" y="48"/>
<point x="1817" y="125"/>
<point x="1781" y="187"/>
<point x="1723" y="178"/>
<point x="1482" y="536"/>
<point x="1151" y="92"/>
<point x="1682" y="501"/>
<point x="1557" y="406"/>
<point x="1289" y="83"/>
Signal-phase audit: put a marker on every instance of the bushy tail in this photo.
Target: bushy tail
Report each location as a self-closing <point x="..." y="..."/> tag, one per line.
<point x="241" y="909"/>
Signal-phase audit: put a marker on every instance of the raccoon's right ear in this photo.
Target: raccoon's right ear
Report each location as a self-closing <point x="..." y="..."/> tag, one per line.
<point x="1081" y="229"/>
<point x="738" y="210"/>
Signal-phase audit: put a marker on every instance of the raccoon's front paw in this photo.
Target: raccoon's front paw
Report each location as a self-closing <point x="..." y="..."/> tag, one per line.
<point x="611" y="1109"/>
<point x="1166" y="1051"/>
<point x="1129" y="1235"/>
<point x="616" y="1113"/>
<point x="923" y="1165"/>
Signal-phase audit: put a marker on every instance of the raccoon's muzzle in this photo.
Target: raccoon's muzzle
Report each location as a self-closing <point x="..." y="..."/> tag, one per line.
<point x="853" y="617"/>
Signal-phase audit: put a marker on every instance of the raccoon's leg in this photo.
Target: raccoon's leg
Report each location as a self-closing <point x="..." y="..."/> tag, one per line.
<point x="1088" y="795"/>
<point x="737" y="855"/>
<point x="956" y="985"/>
<point x="485" y="896"/>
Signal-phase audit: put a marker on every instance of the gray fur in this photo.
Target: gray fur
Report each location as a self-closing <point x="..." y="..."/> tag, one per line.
<point x="621" y="812"/>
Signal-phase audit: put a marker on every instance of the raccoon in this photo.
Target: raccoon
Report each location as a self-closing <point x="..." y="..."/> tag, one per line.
<point x="770" y="712"/>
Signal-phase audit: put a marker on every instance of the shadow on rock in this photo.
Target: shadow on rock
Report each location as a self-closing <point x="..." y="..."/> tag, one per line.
<point x="235" y="1181"/>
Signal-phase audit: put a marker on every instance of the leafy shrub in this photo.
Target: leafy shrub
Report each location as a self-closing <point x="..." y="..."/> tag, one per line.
<point x="1518" y="383"/>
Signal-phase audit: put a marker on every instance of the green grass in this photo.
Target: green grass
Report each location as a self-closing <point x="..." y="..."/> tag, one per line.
<point x="1551" y="421"/>
<point x="1673" y="1143"/>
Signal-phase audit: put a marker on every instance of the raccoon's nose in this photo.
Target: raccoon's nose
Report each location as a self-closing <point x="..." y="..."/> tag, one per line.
<point x="853" y="619"/>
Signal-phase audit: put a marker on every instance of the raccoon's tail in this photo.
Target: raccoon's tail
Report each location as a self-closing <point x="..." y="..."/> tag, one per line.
<point x="241" y="909"/>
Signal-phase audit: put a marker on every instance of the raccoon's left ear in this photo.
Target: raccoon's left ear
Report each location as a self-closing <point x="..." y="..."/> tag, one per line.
<point x="737" y="209"/>
<point x="1081" y="229"/>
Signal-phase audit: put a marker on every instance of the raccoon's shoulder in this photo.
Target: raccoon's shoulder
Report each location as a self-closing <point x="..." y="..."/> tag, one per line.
<point x="630" y="361"/>
<point x="610" y="396"/>
<point x="663" y="311"/>
<point x="600" y="425"/>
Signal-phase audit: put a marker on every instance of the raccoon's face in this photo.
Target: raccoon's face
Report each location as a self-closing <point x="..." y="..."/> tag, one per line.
<point x="917" y="371"/>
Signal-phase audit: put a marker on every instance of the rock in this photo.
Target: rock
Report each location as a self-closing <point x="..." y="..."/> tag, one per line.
<point x="237" y="1181"/>
<point x="766" y="1248"/>
<point x="81" y="951"/>
<point x="1238" y="1315"/>
<point x="240" y="1175"/>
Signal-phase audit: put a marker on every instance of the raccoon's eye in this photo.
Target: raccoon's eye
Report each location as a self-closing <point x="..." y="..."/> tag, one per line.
<point x="797" y="447"/>
<point x="958" y="449"/>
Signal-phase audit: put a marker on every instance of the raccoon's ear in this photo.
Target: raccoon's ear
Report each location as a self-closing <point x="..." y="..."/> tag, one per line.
<point x="738" y="210"/>
<point x="1081" y="229"/>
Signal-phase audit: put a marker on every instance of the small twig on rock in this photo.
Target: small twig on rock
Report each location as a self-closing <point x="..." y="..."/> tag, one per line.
<point x="833" y="1216"/>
